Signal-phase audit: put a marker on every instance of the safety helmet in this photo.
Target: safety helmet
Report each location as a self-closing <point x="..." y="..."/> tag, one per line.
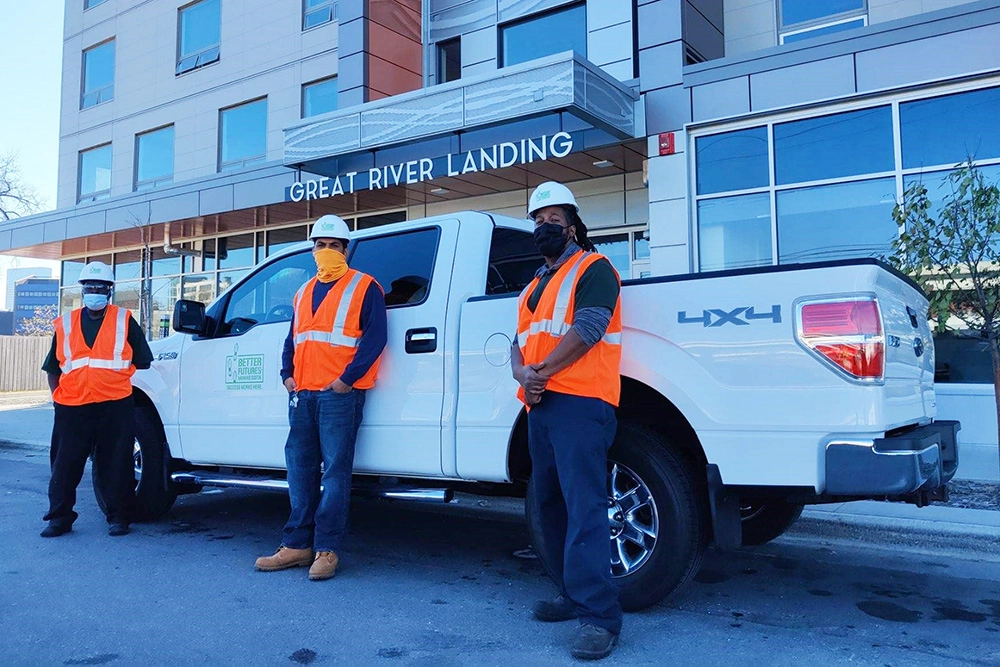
<point x="551" y="193"/>
<point x="330" y="227"/>
<point x="97" y="271"/>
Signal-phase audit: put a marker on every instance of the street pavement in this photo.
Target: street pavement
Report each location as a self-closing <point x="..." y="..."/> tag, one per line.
<point x="860" y="583"/>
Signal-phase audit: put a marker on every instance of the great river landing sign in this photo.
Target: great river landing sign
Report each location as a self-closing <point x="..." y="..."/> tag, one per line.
<point x="497" y="156"/>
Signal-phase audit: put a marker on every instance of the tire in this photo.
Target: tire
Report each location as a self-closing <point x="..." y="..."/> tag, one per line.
<point x="676" y="517"/>
<point x="154" y="495"/>
<point x="763" y="522"/>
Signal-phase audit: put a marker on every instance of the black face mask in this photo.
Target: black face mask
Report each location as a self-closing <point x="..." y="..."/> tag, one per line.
<point x="550" y="239"/>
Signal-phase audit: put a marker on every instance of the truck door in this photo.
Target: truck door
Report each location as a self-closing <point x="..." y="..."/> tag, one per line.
<point x="233" y="407"/>
<point x="401" y="430"/>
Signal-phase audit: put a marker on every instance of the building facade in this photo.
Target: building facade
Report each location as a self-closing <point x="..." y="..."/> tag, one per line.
<point x="197" y="138"/>
<point x="36" y="304"/>
<point x="11" y="277"/>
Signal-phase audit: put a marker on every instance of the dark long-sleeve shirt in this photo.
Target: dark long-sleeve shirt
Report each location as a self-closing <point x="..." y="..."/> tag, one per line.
<point x="370" y="345"/>
<point x="142" y="357"/>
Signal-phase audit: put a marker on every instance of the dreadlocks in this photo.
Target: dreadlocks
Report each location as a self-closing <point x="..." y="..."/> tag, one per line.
<point x="581" y="230"/>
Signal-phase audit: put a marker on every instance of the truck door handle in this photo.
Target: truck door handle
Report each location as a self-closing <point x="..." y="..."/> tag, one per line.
<point x="421" y="341"/>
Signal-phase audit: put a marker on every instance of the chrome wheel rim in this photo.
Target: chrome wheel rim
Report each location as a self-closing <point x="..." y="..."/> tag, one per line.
<point x="633" y="520"/>
<point x="137" y="461"/>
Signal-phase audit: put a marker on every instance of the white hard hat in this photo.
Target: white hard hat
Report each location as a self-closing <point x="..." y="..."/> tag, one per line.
<point x="97" y="271"/>
<point x="551" y="193"/>
<point x="330" y="227"/>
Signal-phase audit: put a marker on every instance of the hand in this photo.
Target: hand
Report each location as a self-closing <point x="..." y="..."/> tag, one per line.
<point x="533" y="379"/>
<point x="532" y="399"/>
<point x="338" y="387"/>
<point x="290" y="385"/>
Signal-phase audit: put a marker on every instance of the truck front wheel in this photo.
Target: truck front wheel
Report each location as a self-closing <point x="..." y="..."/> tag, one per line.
<point x="656" y="517"/>
<point x="763" y="522"/>
<point x="154" y="494"/>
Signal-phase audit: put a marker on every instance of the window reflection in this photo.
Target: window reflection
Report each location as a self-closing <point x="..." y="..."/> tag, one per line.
<point x="243" y="135"/>
<point x="734" y="232"/>
<point x="616" y="248"/>
<point x="544" y="35"/>
<point x="947" y="130"/>
<point x="732" y="161"/>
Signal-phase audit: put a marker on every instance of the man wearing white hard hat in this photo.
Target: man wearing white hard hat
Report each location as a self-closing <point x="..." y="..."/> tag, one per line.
<point x="330" y="360"/>
<point x="566" y="359"/>
<point x="95" y="351"/>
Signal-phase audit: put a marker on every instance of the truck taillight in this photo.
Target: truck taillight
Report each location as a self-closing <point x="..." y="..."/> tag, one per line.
<point x="847" y="334"/>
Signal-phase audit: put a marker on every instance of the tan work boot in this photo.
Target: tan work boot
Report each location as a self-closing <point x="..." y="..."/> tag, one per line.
<point x="283" y="559"/>
<point x="324" y="567"/>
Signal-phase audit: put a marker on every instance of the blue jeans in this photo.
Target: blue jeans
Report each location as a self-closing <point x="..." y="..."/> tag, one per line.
<point x="568" y="439"/>
<point x="323" y="428"/>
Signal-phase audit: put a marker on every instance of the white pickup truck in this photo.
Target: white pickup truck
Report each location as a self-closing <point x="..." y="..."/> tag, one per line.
<point x="745" y="394"/>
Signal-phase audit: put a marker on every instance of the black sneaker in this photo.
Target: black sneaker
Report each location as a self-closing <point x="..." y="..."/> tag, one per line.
<point x="560" y="608"/>
<point x="56" y="529"/>
<point x="592" y="643"/>
<point x="118" y="529"/>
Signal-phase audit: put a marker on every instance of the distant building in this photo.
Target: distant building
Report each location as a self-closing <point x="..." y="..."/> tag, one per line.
<point x="6" y="323"/>
<point x="13" y="275"/>
<point x="36" y="304"/>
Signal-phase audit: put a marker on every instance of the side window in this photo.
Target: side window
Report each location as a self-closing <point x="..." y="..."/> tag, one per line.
<point x="513" y="261"/>
<point x="401" y="263"/>
<point x="267" y="296"/>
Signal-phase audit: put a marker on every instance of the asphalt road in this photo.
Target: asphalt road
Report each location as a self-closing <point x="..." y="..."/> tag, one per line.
<point x="444" y="587"/>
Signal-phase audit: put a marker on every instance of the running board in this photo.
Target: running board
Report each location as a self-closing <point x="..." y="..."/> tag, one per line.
<point x="268" y="484"/>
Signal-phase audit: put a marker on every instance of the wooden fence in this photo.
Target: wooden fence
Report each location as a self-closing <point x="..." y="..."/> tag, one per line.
<point x="21" y="360"/>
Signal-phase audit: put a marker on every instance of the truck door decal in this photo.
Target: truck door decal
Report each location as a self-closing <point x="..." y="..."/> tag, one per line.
<point x="742" y="316"/>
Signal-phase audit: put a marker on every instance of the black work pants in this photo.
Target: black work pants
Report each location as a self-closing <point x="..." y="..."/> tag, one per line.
<point x="106" y="430"/>
<point x="568" y="439"/>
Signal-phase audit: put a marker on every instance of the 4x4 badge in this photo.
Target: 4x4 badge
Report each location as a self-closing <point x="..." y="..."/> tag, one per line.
<point x="717" y="317"/>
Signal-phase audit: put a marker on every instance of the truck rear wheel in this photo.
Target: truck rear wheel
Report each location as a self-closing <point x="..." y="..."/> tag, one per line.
<point x="763" y="522"/>
<point x="656" y="516"/>
<point x="154" y="494"/>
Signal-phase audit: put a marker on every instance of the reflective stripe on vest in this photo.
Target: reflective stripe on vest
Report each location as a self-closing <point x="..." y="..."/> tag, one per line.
<point x="115" y="364"/>
<point x="336" y="335"/>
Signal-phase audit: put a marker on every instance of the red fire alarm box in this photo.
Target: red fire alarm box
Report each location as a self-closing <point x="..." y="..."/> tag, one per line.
<point x="666" y="143"/>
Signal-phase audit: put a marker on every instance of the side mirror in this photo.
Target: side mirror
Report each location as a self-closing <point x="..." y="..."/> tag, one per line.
<point x="189" y="317"/>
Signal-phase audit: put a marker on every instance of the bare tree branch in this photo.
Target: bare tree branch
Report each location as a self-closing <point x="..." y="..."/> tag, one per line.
<point x="17" y="198"/>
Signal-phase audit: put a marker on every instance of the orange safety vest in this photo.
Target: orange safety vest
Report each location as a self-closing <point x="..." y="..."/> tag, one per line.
<point x="101" y="373"/>
<point x="327" y="340"/>
<point x="596" y="373"/>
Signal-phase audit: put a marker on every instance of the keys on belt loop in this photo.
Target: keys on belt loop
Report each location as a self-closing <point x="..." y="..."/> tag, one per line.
<point x="293" y="402"/>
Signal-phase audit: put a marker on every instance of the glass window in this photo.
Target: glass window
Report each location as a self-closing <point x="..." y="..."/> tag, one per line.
<point x="198" y="287"/>
<point x="544" y="34"/>
<point x="319" y="97"/>
<point x="513" y="261"/>
<point x="401" y="263"/>
<point x="154" y="158"/>
<point x="616" y="248"/>
<point x="449" y="60"/>
<point x="98" y="74"/>
<point x="70" y="298"/>
<point x="732" y="161"/>
<point x="844" y="144"/>
<point x="235" y="250"/>
<point x="228" y="278"/>
<point x="939" y="187"/>
<point x="820" y="31"/>
<point x="804" y="11"/>
<point x="164" y="293"/>
<point x="198" y="28"/>
<point x="369" y="221"/>
<point x="87" y="4"/>
<point x="317" y="12"/>
<point x="128" y="265"/>
<point x="734" y="232"/>
<point x="280" y="239"/>
<point x="164" y="264"/>
<point x="70" y="271"/>
<point x="947" y="130"/>
<point x="836" y="221"/>
<point x="640" y="242"/>
<point x="95" y="173"/>
<point x="126" y="295"/>
<point x="267" y="296"/>
<point x="243" y="135"/>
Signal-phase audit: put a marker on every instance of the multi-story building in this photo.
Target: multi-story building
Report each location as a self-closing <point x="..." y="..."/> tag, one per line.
<point x="13" y="275"/>
<point x="36" y="303"/>
<point x="698" y="134"/>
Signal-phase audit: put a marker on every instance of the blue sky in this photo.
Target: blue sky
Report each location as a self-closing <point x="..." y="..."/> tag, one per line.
<point x="31" y="52"/>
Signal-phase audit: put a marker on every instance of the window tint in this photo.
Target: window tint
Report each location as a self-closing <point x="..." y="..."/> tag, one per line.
<point x="732" y="161"/>
<point x="543" y="35"/>
<point x="268" y="295"/>
<point x="154" y="161"/>
<point x="401" y="263"/>
<point x="804" y="11"/>
<point x="98" y="74"/>
<point x="317" y="12"/>
<point x="449" y="60"/>
<point x="836" y="221"/>
<point x="199" y="29"/>
<point x="734" y="232"/>
<point x="242" y="135"/>
<point x="95" y="173"/>
<point x="844" y="144"/>
<point x="513" y="261"/>
<point x="947" y="130"/>
<point x="319" y="97"/>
